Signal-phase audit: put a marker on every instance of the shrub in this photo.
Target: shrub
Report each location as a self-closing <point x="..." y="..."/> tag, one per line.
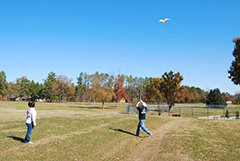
<point x="237" y="115"/>
<point x="227" y="114"/>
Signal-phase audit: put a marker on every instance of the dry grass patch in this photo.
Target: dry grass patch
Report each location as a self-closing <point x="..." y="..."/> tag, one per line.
<point x="70" y="132"/>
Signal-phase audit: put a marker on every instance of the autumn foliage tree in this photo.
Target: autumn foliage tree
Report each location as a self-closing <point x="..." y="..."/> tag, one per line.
<point x="102" y="87"/>
<point x="154" y="93"/>
<point x="63" y="88"/>
<point x="171" y="88"/>
<point x="153" y="90"/>
<point x="187" y="96"/>
<point x="119" y="89"/>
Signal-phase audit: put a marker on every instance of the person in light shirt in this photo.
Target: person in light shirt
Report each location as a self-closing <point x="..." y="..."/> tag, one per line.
<point x="30" y="121"/>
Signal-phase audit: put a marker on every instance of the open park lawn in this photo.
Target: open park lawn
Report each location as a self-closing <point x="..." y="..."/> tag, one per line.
<point x="77" y="131"/>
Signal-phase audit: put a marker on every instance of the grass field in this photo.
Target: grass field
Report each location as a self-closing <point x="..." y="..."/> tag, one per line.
<point x="76" y="131"/>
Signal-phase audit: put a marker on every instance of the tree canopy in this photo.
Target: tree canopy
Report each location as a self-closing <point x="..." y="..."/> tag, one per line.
<point x="214" y="98"/>
<point x="234" y="72"/>
<point x="171" y="87"/>
<point x="153" y="90"/>
<point x="101" y="87"/>
<point x="119" y="89"/>
<point x="3" y="84"/>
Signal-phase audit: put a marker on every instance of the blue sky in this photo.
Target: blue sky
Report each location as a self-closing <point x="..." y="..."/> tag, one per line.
<point x="120" y="36"/>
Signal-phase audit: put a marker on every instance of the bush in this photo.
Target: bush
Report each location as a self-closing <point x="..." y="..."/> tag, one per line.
<point x="227" y="114"/>
<point x="237" y="115"/>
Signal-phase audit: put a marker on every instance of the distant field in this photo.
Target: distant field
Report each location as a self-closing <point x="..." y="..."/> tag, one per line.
<point x="77" y="131"/>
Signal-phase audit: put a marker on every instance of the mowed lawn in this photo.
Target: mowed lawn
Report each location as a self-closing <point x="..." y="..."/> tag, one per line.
<point x="76" y="131"/>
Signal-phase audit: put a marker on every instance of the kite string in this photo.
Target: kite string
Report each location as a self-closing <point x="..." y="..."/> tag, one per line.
<point x="157" y="45"/>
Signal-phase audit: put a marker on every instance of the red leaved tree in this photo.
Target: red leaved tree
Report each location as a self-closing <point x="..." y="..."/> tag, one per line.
<point x="119" y="89"/>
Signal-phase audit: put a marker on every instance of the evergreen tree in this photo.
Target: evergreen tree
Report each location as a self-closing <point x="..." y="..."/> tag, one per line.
<point x="235" y="68"/>
<point x="23" y="86"/>
<point x="3" y="84"/>
<point x="214" y="98"/>
<point x="35" y="90"/>
<point x="48" y="87"/>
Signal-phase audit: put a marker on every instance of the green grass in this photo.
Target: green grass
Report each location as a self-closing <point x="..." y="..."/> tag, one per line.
<point x="78" y="131"/>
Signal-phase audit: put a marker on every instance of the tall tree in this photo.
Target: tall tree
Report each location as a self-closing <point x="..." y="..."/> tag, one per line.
<point x="95" y="85"/>
<point x="137" y="88"/>
<point x="23" y="86"/>
<point x="12" y="90"/>
<point x="63" y="88"/>
<point x="102" y="87"/>
<point x="154" y="93"/>
<point x="3" y="84"/>
<point x="129" y="87"/>
<point x="171" y="87"/>
<point x="187" y="96"/>
<point x="82" y="89"/>
<point x="153" y="90"/>
<point x="35" y="90"/>
<point x="195" y="94"/>
<point x="119" y="89"/>
<point x="141" y="88"/>
<point x="234" y="72"/>
<point x="214" y="98"/>
<point x="48" y="87"/>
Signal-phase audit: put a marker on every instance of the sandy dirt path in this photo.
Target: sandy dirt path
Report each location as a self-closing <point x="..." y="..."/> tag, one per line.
<point x="149" y="147"/>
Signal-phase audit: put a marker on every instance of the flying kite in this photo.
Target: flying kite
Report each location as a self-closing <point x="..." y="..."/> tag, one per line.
<point x="164" y="20"/>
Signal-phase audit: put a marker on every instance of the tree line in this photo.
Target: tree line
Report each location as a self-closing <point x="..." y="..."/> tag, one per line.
<point x="104" y="87"/>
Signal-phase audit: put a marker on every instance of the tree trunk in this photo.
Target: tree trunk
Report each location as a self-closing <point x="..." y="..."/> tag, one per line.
<point x="170" y="108"/>
<point x="103" y="104"/>
<point x="159" y="109"/>
<point x="117" y="104"/>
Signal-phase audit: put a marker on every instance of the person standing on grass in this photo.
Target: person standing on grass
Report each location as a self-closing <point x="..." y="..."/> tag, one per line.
<point x="142" y="118"/>
<point x="30" y="121"/>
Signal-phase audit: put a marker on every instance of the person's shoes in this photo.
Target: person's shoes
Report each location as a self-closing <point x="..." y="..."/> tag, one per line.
<point x="29" y="142"/>
<point x="150" y="135"/>
<point x="136" y="135"/>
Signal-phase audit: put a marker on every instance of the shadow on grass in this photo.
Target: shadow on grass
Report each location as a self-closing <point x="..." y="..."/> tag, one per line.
<point x="17" y="138"/>
<point x="90" y="107"/>
<point x="126" y="132"/>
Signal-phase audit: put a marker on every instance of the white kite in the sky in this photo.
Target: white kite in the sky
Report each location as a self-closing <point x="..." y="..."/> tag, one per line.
<point x="164" y="20"/>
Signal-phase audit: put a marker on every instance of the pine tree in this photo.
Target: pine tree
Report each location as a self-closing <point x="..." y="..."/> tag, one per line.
<point x="48" y="87"/>
<point x="215" y="98"/>
<point x="3" y="84"/>
<point x="235" y="68"/>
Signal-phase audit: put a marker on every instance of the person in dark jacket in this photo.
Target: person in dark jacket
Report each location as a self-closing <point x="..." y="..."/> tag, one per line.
<point x="142" y="118"/>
